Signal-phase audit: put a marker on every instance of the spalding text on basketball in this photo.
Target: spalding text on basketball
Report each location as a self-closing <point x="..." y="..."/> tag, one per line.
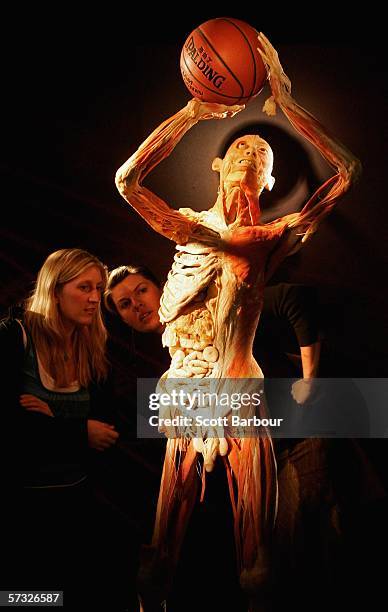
<point x="213" y="76"/>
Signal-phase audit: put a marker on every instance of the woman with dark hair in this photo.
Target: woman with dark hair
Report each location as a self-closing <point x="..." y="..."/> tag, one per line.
<point x="136" y="287"/>
<point x="134" y="349"/>
<point x="132" y="300"/>
<point x="127" y="476"/>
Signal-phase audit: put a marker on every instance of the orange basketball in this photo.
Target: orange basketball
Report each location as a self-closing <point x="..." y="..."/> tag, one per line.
<point x="220" y="62"/>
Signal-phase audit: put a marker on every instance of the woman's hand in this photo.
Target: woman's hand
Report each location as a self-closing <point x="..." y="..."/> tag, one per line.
<point x="303" y="390"/>
<point x="101" y="435"/>
<point x="31" y="402"/>
<point x="211" y="110"/>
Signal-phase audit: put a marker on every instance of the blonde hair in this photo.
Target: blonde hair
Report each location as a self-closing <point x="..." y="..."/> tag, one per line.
<point x="44" y="321"/>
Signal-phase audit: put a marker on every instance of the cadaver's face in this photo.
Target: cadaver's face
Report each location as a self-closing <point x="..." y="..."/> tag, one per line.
<point x="248" y="160"/>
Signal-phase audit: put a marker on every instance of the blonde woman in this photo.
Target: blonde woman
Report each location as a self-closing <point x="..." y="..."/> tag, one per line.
<point x="61" y="341"/>
<point x="53" y="369"/>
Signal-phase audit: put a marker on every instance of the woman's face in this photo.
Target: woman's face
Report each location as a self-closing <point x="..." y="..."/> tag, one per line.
<point x="137" y="302"/>
<point x="79" y="299"/>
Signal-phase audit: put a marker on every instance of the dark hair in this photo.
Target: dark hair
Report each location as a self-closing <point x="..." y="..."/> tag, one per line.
<point x="117" y="275"/>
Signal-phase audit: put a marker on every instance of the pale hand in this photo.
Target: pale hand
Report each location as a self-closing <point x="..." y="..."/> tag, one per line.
<point x="33" y="403"/>
<point x="302" y="390"/>
<point x="211" y="110"/>
<point x="101" y="435"/>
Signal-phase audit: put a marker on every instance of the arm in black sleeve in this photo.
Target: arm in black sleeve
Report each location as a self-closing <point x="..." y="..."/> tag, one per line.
<point x="297" y="304"/>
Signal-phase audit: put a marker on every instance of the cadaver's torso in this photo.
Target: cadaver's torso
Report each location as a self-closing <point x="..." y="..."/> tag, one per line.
<point x="211" y="305"/>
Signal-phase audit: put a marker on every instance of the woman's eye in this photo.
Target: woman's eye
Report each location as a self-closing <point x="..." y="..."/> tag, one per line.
<point x="124" y="305"/>
<point x="143" y="290"/>
<point x="84" y="287"/>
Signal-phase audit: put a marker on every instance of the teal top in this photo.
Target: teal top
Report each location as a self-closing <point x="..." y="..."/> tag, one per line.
<point x="67" y="404"/>
<point x="59" y="462"/>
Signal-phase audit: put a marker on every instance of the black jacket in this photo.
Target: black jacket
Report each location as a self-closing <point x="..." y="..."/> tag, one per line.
<point x="31" y="439"/>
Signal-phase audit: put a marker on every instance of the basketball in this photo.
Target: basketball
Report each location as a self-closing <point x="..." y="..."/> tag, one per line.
<point x="220" y="62"/>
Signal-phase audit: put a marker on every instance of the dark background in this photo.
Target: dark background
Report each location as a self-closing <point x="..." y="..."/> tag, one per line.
<point x="82" y="91"/>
